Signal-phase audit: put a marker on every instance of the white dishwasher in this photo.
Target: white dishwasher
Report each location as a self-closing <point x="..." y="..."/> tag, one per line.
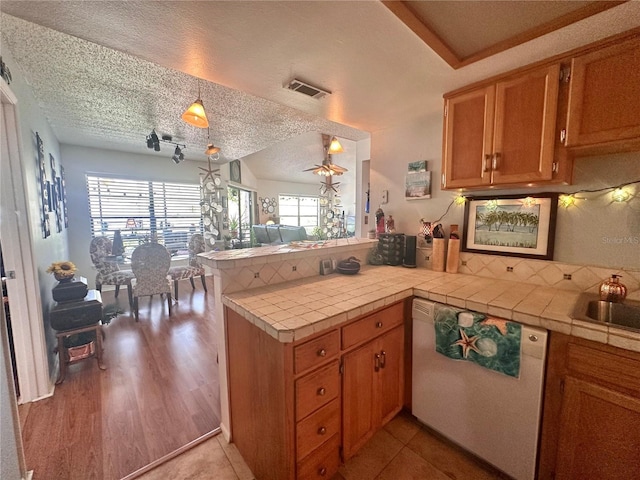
<point x="494" y="416"/>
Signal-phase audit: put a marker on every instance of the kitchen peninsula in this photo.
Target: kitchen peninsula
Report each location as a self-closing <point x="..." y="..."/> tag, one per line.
<point x="283" y="335"/>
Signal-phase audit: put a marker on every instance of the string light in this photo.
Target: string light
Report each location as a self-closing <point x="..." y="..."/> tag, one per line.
<point x="460" y="200"/>
<point x="620" y="195"/>
<point x="567" y="200"/>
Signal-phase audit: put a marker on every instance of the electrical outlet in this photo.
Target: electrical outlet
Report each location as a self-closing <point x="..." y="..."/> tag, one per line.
<point x="385" y="196"/>
<point x="256" y="275"/>
<point x="509" y="269"/>
<point x="566" y="276"/>
<point x="294" y="268"/>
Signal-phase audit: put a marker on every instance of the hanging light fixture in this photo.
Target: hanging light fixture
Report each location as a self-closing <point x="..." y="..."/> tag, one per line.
<point x="328" y="169"/>
<point x="335" y="147"/>
<point x="211" y="149"/>
<point x="195" y="114"/>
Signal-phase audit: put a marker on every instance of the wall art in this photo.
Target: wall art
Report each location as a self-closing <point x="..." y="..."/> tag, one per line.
<point x="56" y="194"/>
<point x="63" y="191"/>
<point x="44" y="189"/>
<point x="513" y="225"/>
<point x="417" y="185"/>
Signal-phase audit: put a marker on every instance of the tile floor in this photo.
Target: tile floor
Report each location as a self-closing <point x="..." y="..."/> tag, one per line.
<point x="402" y="450"/>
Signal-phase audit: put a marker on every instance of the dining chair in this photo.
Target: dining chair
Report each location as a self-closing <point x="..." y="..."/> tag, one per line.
<point x="194" y="269"/>
<point x="150" y="263"/>
<point x="109" y="272"/>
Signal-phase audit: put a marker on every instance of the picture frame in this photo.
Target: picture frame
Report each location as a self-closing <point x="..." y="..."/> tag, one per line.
<point x="511" y="225"/>
<point x="417" y="185"/>
<point x="235" y="173"/>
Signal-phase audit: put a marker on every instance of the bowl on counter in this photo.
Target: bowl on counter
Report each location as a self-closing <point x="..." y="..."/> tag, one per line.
<point x="350" y="266"/>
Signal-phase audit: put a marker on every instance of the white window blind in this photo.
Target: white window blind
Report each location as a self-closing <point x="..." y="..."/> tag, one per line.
<point x="142" y="210"/>
<point x="299" y="210"/>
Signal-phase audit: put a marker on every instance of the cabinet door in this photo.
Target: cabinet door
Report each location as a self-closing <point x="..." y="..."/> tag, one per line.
<point x="391" y="375"/>
<point x="468" y="133"/>
<point x="525" y="127"/>
<point x="358" y="385"/>
<point x="605" y="88"/>
<point x="599" y="433"/>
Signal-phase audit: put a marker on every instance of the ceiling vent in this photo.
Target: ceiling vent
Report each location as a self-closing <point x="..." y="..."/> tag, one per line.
<point x="308" y="90"/>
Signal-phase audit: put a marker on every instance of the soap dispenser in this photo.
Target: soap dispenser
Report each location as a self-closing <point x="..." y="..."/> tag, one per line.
<point x="611" y="290"/>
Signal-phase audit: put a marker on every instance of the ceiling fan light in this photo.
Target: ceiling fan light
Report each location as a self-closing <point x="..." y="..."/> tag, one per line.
<point x="335" y="147"/>
<point x="195" y="115"/>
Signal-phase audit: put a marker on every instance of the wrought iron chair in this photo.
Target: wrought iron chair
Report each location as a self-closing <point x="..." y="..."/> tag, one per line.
<point x="150" y="263"/>
<point x="194" y="269"/>
<point x="109" y="273"/>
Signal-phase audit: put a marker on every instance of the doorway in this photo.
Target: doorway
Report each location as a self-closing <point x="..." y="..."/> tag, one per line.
<point x="241" y="216"/>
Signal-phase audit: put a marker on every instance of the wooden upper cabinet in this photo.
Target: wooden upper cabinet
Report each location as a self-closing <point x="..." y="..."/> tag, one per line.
<point x="503" y="133"/>
<point x="525" y="125"/>
<point x="468" y="136"/>
<point x="604" y="96"/>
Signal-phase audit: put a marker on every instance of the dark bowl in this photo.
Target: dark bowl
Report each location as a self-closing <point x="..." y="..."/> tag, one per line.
<point x="348" y="268"/>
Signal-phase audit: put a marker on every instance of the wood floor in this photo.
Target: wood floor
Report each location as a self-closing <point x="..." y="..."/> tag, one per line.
<point x="160" y="391"/>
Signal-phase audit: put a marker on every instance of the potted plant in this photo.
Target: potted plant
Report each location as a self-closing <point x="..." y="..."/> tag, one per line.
<point x="233" y="226"/>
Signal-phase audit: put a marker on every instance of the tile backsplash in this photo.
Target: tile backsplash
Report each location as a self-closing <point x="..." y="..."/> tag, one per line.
<point x="565" y="276"/>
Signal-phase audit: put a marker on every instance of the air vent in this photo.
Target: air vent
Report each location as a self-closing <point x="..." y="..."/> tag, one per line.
<point x="306" y="89"/>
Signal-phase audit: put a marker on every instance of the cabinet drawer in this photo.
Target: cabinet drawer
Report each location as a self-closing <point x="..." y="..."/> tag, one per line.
<point x="317" y="389"/>
<point x="317" y="428"/>
<point x="372" y="325"/>
<point x="314" y="352"/>
<point x="322" y="463"/>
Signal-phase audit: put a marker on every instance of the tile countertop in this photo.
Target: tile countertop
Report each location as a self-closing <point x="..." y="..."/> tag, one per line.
<point x="294" y="310"/>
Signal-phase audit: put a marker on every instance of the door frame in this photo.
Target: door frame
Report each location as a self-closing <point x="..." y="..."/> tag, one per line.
<point x="26" y="304"/>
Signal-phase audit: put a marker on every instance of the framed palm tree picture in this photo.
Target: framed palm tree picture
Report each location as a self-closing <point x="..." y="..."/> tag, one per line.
<point x="512" y="225"/>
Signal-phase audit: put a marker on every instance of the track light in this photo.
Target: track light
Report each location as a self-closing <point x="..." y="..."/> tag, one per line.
<point x="153" y="141"/>
<point x="178" y="156"/>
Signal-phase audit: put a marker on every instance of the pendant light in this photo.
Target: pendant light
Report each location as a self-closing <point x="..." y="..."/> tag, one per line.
<point x="195" y="114"/>
<point x="211" y="149"/>
<point x="335" y="147"/>
<point x="330" y="145"/>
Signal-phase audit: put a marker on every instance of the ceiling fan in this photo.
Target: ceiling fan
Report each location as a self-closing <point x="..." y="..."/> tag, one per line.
<point x="328" y="169"/>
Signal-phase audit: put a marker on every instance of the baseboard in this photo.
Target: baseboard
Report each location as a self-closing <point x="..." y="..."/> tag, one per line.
<point x="226" y="433"/>
<point x="172" y="455"/>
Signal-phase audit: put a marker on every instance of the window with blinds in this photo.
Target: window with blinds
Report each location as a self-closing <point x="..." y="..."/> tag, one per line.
<point x="300" y="211"/>
<point x="142" y="210"/>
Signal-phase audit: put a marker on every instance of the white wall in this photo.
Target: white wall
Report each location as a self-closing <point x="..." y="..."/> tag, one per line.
<point x="79" y="161"/>
<point x="53" y="248"/>
<point x="594" y="232"/>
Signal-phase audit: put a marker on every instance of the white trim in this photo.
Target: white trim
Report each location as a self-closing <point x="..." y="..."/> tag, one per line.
<point x="15" y="231"/>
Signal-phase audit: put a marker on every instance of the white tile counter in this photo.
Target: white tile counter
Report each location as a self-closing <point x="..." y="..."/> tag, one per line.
<point x="293" y="310"/>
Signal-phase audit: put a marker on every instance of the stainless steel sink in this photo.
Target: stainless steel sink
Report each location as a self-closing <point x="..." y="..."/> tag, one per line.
<point x="590" y="307"/>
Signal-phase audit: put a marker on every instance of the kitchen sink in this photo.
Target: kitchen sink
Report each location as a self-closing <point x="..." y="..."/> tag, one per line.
<point x="590" y="307"/>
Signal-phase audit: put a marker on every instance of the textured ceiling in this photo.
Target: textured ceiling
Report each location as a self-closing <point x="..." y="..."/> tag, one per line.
<point x="122" y="68"/>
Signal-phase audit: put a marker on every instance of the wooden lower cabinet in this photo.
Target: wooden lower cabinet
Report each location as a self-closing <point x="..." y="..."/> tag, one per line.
<point x="291" y="411"/>
<point x="591" y="422"/>
<point x="373" y="388"/>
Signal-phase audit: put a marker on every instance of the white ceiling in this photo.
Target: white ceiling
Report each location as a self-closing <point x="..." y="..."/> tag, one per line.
<point x="121" y="68"/>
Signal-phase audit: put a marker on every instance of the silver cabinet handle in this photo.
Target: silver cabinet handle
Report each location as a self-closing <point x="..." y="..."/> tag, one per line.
<point x="383" y="358"/>
<point x="378" y="324"/>
<point x="485" y="162"/>
<point x="494" y="162"/>
<point x="376" y="362"/>
<point x="322" y="471"/>
<point x="322" y="431"/>
<point x="321" y="391"/>
<point x="322" y="352"/>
